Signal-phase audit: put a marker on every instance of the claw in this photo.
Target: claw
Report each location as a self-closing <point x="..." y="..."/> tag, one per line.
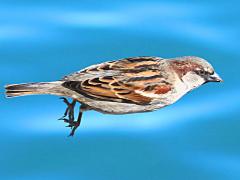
<point x="69" y="110"/>
<point x="70" y="113"/>
<point x="74" y="128"/>
<point x="62" y="118"/>
<point x="67" y="120"/>
<point x="71" y="126"/>
<point x="65" y="100"/>
<point x="71" y="134"/>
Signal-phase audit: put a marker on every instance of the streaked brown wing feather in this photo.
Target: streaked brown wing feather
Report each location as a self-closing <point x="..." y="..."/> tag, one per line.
<point x="127" y="78"/>
<point x="104" y="92"/>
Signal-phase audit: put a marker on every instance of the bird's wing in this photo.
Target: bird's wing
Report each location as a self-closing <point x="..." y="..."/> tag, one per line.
<point x="132" y="80"/>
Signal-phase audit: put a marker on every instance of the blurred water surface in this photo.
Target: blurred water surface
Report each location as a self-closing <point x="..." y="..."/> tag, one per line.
<point x="196" y="138"/>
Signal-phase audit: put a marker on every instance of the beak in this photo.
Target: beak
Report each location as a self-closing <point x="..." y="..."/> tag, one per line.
<point x="214" y="78"/>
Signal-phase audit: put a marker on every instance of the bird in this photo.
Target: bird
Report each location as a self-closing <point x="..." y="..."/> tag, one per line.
<point x="123" y="86"/>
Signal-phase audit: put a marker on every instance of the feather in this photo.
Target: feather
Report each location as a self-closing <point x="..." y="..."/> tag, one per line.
<point x="121" y="81"/>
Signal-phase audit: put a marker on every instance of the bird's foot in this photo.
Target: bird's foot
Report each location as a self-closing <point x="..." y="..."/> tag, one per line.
<point x="72" y="124"/>
<point x="74" y="127"/>
<point x="70" y="113"/>
<point x="69" y="110"/>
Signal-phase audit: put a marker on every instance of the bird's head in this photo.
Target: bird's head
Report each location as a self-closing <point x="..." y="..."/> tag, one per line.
<point x="194" y="71"/>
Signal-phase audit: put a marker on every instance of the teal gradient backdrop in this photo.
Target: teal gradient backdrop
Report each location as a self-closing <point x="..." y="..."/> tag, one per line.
<point x="196" y="138"/>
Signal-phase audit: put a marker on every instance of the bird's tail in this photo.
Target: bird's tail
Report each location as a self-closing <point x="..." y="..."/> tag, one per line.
<point x="14" y="90"/>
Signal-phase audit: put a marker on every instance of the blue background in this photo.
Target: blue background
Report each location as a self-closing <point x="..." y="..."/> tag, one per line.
<point x="196" y="138"/>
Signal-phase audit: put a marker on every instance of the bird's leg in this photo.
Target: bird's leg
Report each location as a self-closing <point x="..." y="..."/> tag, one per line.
<point x="74" y="125"/>
<point x="69" y="110"/>
<point x="77" y="123"/>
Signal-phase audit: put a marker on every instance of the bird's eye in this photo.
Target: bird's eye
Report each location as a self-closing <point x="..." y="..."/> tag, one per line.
<point x="211" y="73"/>
<point x="201" y="72"/>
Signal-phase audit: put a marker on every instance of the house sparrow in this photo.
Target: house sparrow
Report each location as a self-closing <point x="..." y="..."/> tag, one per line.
<point x="130" y="85"/>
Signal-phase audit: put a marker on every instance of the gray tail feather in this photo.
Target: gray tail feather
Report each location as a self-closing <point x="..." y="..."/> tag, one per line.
<point x="14" y="90"/>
